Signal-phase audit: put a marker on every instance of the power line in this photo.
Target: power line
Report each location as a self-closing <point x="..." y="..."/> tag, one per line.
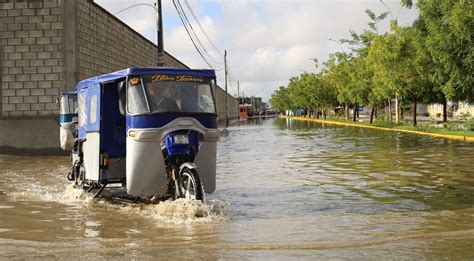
<point x="154" y="7"/>
<point x="231" y="74"/>
<point x="189" y="34"/>
<point x="194" y="32"/>
<point x="195" y="39"/>
<point x="231" y="78"/>
<point x="198" y="44"/>
<point x="202" y="29"/>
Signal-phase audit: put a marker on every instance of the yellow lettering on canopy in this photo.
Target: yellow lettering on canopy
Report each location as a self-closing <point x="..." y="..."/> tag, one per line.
<point x="160" y="78"/>
<point x="181" y="78"/>
<point x="188" y="79"/>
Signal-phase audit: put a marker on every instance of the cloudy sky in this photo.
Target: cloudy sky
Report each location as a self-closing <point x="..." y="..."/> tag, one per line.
<point x="267" y="41"/>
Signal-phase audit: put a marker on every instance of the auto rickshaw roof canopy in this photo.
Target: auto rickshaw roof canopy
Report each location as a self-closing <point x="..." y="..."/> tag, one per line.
<point x="145" y="71"/>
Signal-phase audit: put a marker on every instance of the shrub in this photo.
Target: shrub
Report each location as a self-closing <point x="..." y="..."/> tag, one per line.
<point x="464" y="116"/>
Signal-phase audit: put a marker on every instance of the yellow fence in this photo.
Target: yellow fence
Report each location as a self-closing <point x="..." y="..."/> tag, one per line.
<point x="452" y="137"/>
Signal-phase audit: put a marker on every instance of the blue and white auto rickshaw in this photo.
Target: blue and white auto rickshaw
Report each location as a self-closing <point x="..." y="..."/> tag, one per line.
<point x="153" y="130"/>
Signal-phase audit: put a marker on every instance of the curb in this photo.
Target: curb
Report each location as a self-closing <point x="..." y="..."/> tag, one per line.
<point x="452" y="137"/>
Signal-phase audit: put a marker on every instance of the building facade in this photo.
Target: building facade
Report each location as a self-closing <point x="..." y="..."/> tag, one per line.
<point x="459" y="109"/>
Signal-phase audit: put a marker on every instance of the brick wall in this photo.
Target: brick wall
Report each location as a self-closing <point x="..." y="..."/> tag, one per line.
<point x="105" y="44"/>
<point x="31" y="61"/>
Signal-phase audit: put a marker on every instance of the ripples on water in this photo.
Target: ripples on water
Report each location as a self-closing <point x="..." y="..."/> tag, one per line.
<point x="282" y="185"/>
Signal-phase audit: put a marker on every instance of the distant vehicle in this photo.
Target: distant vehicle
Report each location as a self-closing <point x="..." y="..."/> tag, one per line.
<point x="245" y="110"/>
<point x="153" y="130"/>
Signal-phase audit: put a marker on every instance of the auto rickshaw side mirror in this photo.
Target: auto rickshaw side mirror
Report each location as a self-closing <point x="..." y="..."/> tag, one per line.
<point x="122" y="97"/>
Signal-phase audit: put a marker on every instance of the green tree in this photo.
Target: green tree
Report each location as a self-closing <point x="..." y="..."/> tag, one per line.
<point x="361" y="84"/>
<point x="449" y="26"/>
<point x="281" y="100"/>
<point x="297" y="92"/>
<point x="324" y="94"/>
<point x="307" y="84"/>
<point x="393" y="58"/>
<point x="338" y="76"/>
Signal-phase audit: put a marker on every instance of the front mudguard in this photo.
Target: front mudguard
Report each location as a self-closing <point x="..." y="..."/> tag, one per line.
<point x="188" y="165"/>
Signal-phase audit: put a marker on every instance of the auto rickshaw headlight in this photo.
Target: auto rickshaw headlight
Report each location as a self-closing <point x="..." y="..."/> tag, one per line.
<point x="181" y="139"/>
<point x="132" y="134"/>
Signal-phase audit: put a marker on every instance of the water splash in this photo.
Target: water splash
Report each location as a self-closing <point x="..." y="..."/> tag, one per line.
<point x="46" y="188"/>
<point x="179" y="212"/>
<point x="182" y="211"/>
<point x="69" y="195"/>
<point x="75" y="195"/>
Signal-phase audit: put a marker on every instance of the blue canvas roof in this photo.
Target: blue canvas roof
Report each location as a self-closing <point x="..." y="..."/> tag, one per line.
<point x="146" y="70"/>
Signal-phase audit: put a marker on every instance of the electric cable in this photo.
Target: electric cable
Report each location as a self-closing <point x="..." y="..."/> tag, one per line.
<point x="202" y="29"/>
<point x="154" y="7"/>
<point x="195" y="39"/>
<point x="196" y="36"/>
<point x="198" y="44"/>
<point x="189" y="34"/>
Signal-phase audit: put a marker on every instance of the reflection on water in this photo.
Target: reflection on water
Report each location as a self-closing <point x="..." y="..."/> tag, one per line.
<point x="303" y="189"/>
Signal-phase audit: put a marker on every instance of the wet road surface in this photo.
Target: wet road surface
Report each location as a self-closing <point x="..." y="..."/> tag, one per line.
<point x="285" y="189"/>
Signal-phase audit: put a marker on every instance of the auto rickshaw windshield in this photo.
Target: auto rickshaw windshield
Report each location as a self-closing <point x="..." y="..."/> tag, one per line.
<point x="169" y="93"/>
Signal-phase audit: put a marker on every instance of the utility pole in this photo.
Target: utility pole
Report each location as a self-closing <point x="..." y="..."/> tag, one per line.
<point x="238" y="99"/>
<point x="226" y="107"/>
<point x="159" y="35"/>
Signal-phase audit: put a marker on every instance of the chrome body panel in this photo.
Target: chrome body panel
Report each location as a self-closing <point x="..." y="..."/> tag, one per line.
<point x="145" y="170"/>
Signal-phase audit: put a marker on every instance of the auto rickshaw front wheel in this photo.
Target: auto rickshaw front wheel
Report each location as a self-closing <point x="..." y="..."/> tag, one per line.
<point x="189" y="185"/>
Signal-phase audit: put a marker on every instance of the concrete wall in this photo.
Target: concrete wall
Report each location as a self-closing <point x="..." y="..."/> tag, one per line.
<point x="232" y="105"/>
<point x="31" y="40"/>
<point x="32" y="73"/>
<point x="30" y="136"/>
<point x="42" y="53"/>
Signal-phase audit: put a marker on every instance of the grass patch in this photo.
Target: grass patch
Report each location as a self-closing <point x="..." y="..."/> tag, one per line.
<point x="436" y="130"/>
<point x="456" y="128"/>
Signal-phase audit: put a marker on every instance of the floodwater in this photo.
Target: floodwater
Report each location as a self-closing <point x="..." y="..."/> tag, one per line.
<point x="285" y="189"/>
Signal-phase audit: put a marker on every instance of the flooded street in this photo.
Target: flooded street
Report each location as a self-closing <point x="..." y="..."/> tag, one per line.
<point x="285" y="189"/>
